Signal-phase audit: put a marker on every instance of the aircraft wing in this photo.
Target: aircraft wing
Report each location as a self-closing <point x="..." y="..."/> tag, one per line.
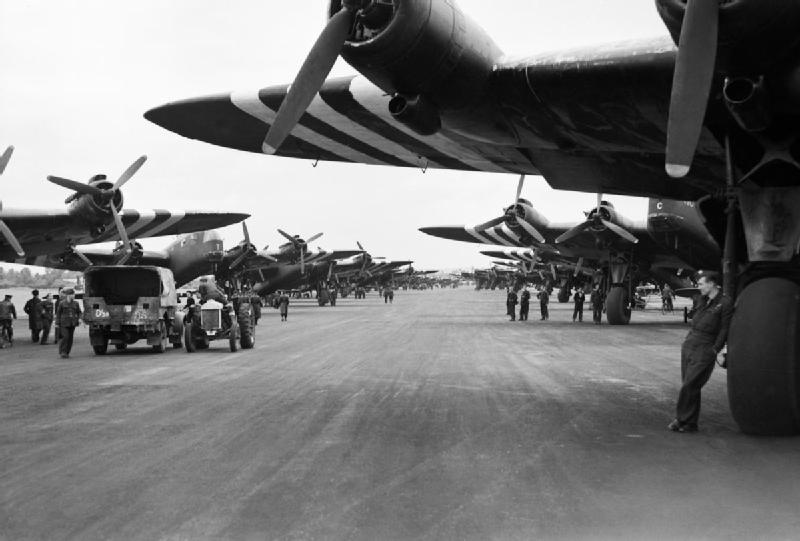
<point x="50" y="232"/>
<point x="499" y="235"/>
<point x="592" y="119"/>
<point x="97" y="256"/>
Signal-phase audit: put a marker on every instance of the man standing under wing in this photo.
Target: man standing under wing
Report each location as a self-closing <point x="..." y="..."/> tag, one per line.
<point x="701" y="348"/>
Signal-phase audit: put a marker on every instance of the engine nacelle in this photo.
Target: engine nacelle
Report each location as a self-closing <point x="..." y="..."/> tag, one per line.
<point x="523" y="211"/>
<point x="416" y="112"/>
<point x="92" y="211"/>
<point x="421" y="48"/>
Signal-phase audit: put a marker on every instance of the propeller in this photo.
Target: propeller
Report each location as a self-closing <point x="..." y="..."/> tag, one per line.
<point x="5" y="231"/>
<point x="596" y="222"/>
<point x="514" y="213"/>
<point x="301" y="246"/>
<point x="312" y="75"/>
<point x="691" y="84"/>
<point x="248" y="250"/>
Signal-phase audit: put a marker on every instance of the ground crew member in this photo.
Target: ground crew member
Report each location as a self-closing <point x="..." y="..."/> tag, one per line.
<point x="57" y="332"/>
<point x="333" y="295"/>
<point x="524" y="304"/>
<point x="701" y="348"/>
<point x="68" y="316"/>
<point x="666" y="297"/>
<point x="579" y="298"/>
<point x="34" y="310"/>
<point x="7" y="313"/>
<point x="597" y="305"/>
<point x="47" y="318"/>
<point x="283" y="306"/>
<point x="511" y="304"/>
<point x="544" y="300"/>
<point x="255" y="300"/>
<point x="388" y="295"/>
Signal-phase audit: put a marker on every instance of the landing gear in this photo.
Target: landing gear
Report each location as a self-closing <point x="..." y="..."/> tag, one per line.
<point x="618" y="306"/>
<point x="764" y="336"/>
<point x="618" y="299"/>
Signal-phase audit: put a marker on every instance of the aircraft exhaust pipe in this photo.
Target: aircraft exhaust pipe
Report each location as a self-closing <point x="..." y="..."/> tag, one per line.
<point x="747" y="101"/>
<point x="416" y="112"/>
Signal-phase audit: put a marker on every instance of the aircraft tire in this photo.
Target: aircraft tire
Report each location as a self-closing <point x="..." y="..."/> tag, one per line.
<point x="763" y="361"/>
<point x="618" y="308"/>
<point x="100" y="349"/>
<point x="563" y="295"/>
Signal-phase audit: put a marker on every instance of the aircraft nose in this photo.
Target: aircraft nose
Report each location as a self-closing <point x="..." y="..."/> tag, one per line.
<point x="213" y="119"/>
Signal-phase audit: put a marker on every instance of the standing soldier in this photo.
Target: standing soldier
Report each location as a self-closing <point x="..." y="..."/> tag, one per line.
<point x="666" y="298"/>
<point x="597" y="305"/>
<point x="7" y="312"/>
<point x="388" y="295"/>
<point x="59" y="298"/>
<point x="511" y="304"/>
<point x="701" y="348"/>
<point x="68" y="316"/>
<point x="333" y="294"/>
<point x="283" y="305"/>
<point x="524" y="304"/>
<point x="544" y="300"/>
<point x="579" y="298"/>
<point x="255" y="300"/>
<point x="47" y="318"/>
<point x="34" y="310"/>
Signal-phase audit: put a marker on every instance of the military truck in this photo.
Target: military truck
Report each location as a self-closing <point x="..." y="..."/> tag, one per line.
<point x="125" y="304"/>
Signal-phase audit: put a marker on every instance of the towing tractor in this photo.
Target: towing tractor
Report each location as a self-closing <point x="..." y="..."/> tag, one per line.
<point x="125" y="304"/>
<point x="218" y="318"/>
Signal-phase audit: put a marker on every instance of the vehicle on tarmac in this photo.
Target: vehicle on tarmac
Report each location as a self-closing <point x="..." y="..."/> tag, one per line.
<point x="125" y="304"/>
<point x="219" y="318"/>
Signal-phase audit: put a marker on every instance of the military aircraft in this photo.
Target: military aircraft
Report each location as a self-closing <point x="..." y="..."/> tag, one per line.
<point x="672" y="238"/>
<point x="709" y="115"/>
<point x="94" y="214"/>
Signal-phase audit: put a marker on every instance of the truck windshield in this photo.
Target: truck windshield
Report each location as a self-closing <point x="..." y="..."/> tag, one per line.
<point x="123" y="285"/>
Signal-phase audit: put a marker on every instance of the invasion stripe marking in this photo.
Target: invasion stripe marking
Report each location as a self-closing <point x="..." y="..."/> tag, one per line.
<point x="493" y="233"/>
<point x="176" y="218"/>
<point x="506" y="233"/>
<point x="366" y="93"/>
<point x="322" y="110"/>
<point x="250" y="102"/>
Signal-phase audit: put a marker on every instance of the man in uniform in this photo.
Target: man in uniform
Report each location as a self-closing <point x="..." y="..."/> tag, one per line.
<point x="511" y="304"/>
<point x="597" y="305"/>
<point x="7" y="313"/>
<point x="283" y="306"/>
<point x="333" y="294"/>
<point x="524" y="304"/>
<point x="666" y="297"/>
<point x="701" y="348"/>
<point x="68" y="316"/>
<point x="34" y="310"/>
<point x="579" y="299"/>
<point x="544" y="300"/>
<point x="47" y="318"/>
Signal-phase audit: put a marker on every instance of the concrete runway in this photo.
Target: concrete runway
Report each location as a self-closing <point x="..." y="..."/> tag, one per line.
<point x="432" y="418"/>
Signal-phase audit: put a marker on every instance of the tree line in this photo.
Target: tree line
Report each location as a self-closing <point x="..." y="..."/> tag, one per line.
<point x="25" y="278"/>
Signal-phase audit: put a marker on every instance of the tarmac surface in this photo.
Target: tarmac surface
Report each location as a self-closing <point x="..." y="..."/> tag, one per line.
<point x="432" y="418"/>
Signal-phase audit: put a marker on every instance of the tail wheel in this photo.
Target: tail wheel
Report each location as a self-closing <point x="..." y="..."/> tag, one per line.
<point x="188" y="341"/>
<point x="618" y="308"/>
<point x="247" y="330"/>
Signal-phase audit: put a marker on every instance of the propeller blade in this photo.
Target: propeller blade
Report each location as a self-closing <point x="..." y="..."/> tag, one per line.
<point x="572" y="233"/>
<point x="691" y="84"/>
<point x="553" y="271"/>
<point x="11" y="239"/>
<point x="82" y="257"/>
<point x="75" y="186"/>
<point x="288" y="236"/>
<point x="239" y="260"/>
<point x="313" y="238"/>
<point x="360" y="247"/>
<point x="578" y="266"/>
<point x="621" y="232"/>
<point x="266" y="256"/>
<point x="519" y="187"/>
<point x="5" y="158"/>
<point x="302" y="261"/>
<point x="123" y="234"/>
<point x="599" y="201"/>
<point x="531" y="231"/>
<point x="129" y="172"/>
<point x="246" y="234"/>
<point x="310" y="78"/>
<point x="491" y="223"/>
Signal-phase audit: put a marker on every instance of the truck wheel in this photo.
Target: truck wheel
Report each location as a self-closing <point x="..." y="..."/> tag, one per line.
<point x="120" y="347"/>
<point x="232" y="337"/>
<point x="247" y="330"/>
<point x="100" y="349"/>
<point x="188" y="341"/>
<point x="162" y="346"/>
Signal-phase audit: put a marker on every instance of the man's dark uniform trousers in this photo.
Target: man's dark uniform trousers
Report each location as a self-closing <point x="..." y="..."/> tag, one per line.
<point x="699" y="353"/>
<point x="47" y="319"/>
<point x="597" y="306"/>
<point x="524" y="305"/>
<point x="579" y="298"/>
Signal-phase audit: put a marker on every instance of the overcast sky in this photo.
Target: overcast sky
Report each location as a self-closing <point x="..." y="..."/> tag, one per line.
<point x="77" y="75"/>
